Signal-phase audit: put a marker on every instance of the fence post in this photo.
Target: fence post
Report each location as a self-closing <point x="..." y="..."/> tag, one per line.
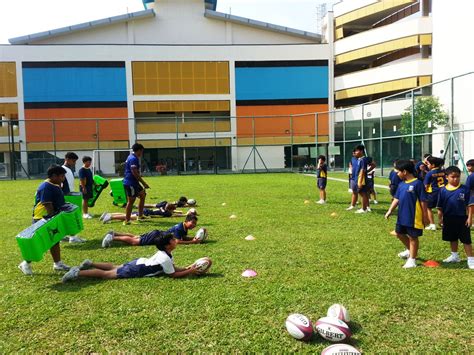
<point x="215" y="145"/>
<point x="344" y="140"/>
<point x="381" y="136"/>
<point x="54" y="139"/>
<point x="291" y="143"/>
<point x="317" y="134"/>
<point x="412" y="124"/>
<point x="254" y="147"/>
<point x="362" y="127"/>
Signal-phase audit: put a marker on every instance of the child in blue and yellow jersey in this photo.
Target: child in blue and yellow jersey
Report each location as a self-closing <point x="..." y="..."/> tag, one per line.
<point x="411" y="200"/>
<point x="359" y="175"/>
<point x="456" y="207"/>
<point x="434" y="180"/>
<point x="322" y="173"/>
<point x="394" y="180"/>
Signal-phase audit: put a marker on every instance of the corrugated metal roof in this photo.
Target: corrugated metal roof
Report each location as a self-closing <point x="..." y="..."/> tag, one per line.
<point x="82" y="26"/>
<point x="263" y="25"/>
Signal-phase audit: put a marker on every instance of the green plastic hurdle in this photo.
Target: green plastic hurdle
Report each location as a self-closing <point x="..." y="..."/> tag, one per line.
<point x="118" y="192"/>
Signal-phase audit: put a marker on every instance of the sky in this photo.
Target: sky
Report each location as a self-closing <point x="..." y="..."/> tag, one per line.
<point x="22" y="17"/>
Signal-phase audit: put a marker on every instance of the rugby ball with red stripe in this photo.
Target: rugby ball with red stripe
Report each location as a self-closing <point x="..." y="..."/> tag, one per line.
<point x="340" y="312"/>
<point x="203" y="264"/>
<point x="299" y="326"/>
<point x="333" y="329"/>
<point x="340" y="349"/>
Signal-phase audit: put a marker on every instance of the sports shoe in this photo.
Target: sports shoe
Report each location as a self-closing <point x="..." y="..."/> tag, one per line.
<point x="25" y="268"/>
<point x="101" y="218"/>
<point x="375" y="202"/>
<point x="411" y="263"/>
<point x="60" y="266"/>
<point x="350" y="208"/>
<point x="360" y="210"/>
<point x="76" y="239"/>
<point x="86" y="216"/>
<point x="107" y="241"/>
<point x="142" y="218"/>
<point x="431" y="227"/>
<point x="107" y="218"/>
<point x="470" y="263"/>
<point x="368" y="209"/>
<point x="72" y="274"/>
<point x="321" y="202"/>
<point x="349" y="190"/>
<point x="404" y="254"/>
<point x="86" y="264"/>
<point x="452" y="259"/>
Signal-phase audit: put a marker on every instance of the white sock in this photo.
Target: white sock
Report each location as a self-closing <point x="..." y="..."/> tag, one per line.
<point x="413" y="260"/>
<point x="470" y="258"/>
<point x="455" y="254"/>
<point x="58" y="263"/>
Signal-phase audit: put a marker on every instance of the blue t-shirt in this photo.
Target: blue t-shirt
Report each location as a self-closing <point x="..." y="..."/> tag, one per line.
<point x="47" y="193"/>
<point x="354" y="162"/>
<point x="179" y="231"/>
<point x="453" y="202"/>
<point x="394" y="179"/>
<point x="434" y="180"/>
<point x="420" y="173"/>
<point x="410" y="194"/>
<point x="359" y="172"/>
<point x="470" y="182"/>
<point x="323" y="171"/>
<point x="86" y="173"/>
<point x="132" y="162"/>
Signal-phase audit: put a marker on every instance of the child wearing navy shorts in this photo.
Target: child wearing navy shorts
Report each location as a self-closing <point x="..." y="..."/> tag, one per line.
<point x="159" y="264"/>
<point x="322" y="179"/>
<point x="456" y="207"/>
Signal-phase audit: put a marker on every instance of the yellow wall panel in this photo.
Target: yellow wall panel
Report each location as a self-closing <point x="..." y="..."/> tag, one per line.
<point x="180" y="78"/>
<point x="181" y="106"/>
<point x="172" y="143"/>
<point x="6" y="147"/>
<point x="395" y="85"/>
<point x="9" y="110"/>
<point x="8" y="79"/>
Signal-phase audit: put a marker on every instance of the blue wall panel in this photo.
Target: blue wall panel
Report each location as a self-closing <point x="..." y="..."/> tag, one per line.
<point x="74" y="84"/>
<point x="277" y="83"/>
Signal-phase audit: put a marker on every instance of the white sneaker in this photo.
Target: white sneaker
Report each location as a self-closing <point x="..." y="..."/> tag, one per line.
<point x="452" y="259"/>
<point x="431" y="227"/>
<point x="411" y="263"/>
<point x="360" y="210"/>
<point x="375" y="202"/>
<point x="321" y="202"/>
<point x="86" y="216"/>
<point x="101" y="218"/>
<point x="25" y="268"/>
<point x="470" y="263"/>
<point x="107" y="241"/>
<point x="72" y="274"/>
<point x="350" y="190"/>
<point x="86" y="264"/>
<point x="368" y="209"/>
<point x="107" y="218"/>
<point x="350" y="208"/>
<point x="60" y="266"/>
<point x="76" y="239"/>
<point x="404" y="254"/>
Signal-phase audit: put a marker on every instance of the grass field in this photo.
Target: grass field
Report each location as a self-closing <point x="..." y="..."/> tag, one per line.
<point x="306" y="260"/>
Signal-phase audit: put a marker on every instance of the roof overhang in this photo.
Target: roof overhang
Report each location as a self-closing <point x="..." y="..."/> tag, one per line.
<point x="263" y="25"/>
<point x="82" y="26"/>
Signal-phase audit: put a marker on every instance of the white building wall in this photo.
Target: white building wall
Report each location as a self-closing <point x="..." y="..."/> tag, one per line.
<point x="273" y="156"/>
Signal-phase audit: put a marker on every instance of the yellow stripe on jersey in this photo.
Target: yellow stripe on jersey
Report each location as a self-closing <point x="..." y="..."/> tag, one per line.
<point x="39" y="211"/>
<point x="418" y="222"/>
<point x="361" y="178"/>
<point x="322" y="174"/>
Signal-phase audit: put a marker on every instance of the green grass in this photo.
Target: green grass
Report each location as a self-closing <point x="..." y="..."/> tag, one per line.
<point x="305" y="259"/>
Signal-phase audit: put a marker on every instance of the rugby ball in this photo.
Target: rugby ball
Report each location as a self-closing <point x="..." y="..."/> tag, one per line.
<point x="201" y="234"/>
<point x="340" y="312"/>
<point x="340" y="349"/>
<point x="191" y="202"/>
<point x="299" y="326"/>
<point x="203" y="264"/>
<point x="333" y="329"/>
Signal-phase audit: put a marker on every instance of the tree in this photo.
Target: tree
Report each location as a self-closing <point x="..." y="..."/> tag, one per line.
<point x="427" y="110"/>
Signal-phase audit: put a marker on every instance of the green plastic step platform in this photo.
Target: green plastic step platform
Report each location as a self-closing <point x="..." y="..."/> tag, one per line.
<point x="37" y="239"/>
<point x="99" y="185"/>
<point x="118" y="192"/>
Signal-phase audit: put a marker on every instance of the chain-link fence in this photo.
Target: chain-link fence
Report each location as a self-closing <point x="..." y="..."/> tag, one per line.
<point x="436" y="119"/>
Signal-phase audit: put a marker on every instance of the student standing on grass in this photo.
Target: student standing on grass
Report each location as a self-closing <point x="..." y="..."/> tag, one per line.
<point x="371" y="179"/>
<point x="133" y="182"/>
<point x="180" y="231"/>
<point x="410" y="199"/>
<point x="470" y="178"/>
<point x="86" y="181"/>
<point x="453" y="200"/>
<point x="159" y="264"/>
<point x="434" y="180"/>
<point x="394" y="180"/>
<point x="322" y="175"/>
<point x="353" y="167"/>
<point x="69" y="163"/>
<point x="421" y="168"/>
<point x="359" y="175"/>
<point x="48" y="201"/>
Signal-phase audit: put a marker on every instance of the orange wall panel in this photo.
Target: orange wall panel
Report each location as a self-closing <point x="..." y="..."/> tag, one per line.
<point x="80" y="130"/>
<point x="303" y="125"/>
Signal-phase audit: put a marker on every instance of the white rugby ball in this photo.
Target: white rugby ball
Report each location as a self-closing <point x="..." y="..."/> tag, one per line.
<point x="340" y="312"/>
<point x="201" y="234"/>
<point x="333" y="329"/>
<point x="299" y="326"/>
<point x="191" y="202"/>
<point x="203" y="264"/>
<point x="340" y="349"/>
